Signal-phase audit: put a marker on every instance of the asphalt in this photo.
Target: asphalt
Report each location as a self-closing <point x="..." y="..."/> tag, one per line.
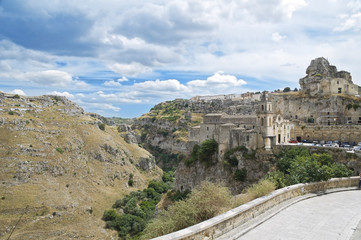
<point x="332" y="216"/>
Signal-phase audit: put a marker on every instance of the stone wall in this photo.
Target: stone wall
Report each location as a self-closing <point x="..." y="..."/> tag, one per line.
<point x="343" y="133"/>
<point x="225" y="222"/>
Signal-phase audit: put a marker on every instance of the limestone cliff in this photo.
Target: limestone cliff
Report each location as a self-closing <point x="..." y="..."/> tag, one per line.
<point x="253" y="167"/>
<point x="164" y="130"/>
<point x="61" y="168"/>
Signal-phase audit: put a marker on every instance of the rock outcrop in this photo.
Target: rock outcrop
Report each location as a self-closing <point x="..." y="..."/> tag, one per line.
<point x="323" y="78"/>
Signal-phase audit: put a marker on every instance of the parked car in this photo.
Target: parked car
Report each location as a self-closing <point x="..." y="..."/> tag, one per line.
<point x="357" y="148"/>
<point x="327" y="145"/>
<point x="343" y="144"/>
<point x="293" y="141"/>
<point x="347" y="146"/>
<point x="359" y="144"/>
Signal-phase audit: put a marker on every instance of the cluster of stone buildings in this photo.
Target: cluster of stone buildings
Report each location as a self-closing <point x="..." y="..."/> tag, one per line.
<point x="327" y="106"/>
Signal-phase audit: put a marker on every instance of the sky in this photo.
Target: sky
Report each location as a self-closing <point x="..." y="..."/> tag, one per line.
<point x="119" y="58"/>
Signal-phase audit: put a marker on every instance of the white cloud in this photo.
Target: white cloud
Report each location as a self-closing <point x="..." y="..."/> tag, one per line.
<point x="288" y="7"/>
<point x="130" y="70"/>
<point x="276" y="37"/>
<point x="64" y="94"/>
<point x="218" y="83"/>
<point x="112" y="83"/>
<point x="352" y="22"/>
<point x="18" y="91"/>
<point x="170" y="85"/>
<point x="117" y="83"/>
<point x="123" y="79"/>
<point x="49" y="77"/>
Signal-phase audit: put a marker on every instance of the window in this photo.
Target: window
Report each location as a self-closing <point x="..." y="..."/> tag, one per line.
<point x="359" y="120"/>
<point x="247" y="138"/>
<point x="339" y="90"/>
<point x="349" y="120"/>
<point x="296" y="117"/>
<point x="338" y="82"/>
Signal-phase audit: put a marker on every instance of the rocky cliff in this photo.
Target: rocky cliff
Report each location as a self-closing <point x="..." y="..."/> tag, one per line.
<point x="164" y="130"/>
<point x="61" y="168"/>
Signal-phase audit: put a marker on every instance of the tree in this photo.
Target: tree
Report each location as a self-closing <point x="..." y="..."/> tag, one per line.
<point x="286" y="89"/>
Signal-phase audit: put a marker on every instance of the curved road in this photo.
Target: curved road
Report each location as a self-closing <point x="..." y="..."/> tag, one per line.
<point x="329" y="217"/>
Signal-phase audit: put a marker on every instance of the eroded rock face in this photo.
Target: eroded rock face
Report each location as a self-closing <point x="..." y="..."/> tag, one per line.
<point x="321" y="66"/>
<point x="147" y="164"/>
<point x="323" y="78"/>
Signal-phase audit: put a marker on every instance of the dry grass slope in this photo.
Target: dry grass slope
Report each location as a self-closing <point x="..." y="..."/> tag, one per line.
<point x="60" y="171"/>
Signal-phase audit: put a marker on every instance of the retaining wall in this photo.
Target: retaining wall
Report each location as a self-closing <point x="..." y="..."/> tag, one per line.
<point x="225" y="222"/>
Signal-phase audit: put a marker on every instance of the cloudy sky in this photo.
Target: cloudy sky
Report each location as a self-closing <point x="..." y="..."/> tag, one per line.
<point x="119" y="58"/>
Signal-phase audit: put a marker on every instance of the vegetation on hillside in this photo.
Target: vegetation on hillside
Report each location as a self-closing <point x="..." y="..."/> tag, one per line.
<point x="203" y="153"/>
<point x="297" y="165"/>
<point x="130" y="214"/>
<point x="205" y="201"/>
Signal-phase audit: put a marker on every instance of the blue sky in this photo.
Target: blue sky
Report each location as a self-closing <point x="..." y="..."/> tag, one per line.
<point x="120" y="58"/>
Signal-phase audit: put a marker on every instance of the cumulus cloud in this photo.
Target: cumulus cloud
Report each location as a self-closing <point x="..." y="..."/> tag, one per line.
<point x="112" y="83"/>
<point x="64" y="94"/>
<point x="130" y="70"/>
<point x="116" y="83"/>
<point x="18" y="91"/>
<point x="288" y="7"/>
<point x="171" y="85"/>
<point x="218" y="82"/>
<point x="50" y="78"/>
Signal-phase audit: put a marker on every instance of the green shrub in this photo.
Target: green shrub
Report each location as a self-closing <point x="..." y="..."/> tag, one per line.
<point x="240" y="174"/>
<point x="130" y="181"/>
<point x="101" y="126"/>
<point x="203" y="152"/>
<point x="109" y="215"/>
<point x="59" y="150"/>
<point x="298" y="166"/>
<point x="17" y="96"/>
<point x="207" y="149"/>
<point x="355" y="106"/>
<point x="158" y="186"/>
<point x="11" y="112"/>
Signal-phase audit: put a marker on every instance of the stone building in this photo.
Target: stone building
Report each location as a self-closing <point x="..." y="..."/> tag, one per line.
<point x="263" y="129"/>
<point x="328" y="107"/>
<point x="323" y="79"/>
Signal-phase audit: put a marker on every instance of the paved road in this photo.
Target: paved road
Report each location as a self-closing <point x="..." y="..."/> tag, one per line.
<point x="335" y="216"/>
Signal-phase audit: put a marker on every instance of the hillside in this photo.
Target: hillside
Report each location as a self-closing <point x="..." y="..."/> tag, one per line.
<point x="60" y="170"/>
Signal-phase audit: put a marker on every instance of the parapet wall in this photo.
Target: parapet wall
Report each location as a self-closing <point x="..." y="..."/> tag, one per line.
<point x="225" y="222"/>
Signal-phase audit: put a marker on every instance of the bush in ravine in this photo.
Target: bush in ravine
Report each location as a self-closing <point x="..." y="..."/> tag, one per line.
<point x="203" y="203"/>
<point x="138" y="208"/>
<point x="203" y="152"/>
